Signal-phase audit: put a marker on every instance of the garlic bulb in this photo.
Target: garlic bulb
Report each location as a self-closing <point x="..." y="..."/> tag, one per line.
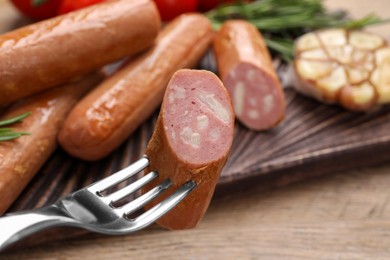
<point x="351" y="68"/>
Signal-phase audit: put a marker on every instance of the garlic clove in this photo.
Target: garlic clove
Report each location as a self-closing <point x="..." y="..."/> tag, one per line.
<point x="358" y="97"/>
<point x="314" y="54"/>
<point x="382" y="55"/>
<point x="307" y="42"/>
<point x="331" y="84"/>
<point x="381" y="80"/>
<point x="357" y="75"/>
<point x="309" y="69"/>
<point x="365" y="41"/>
<point x="359" y="56"/>
<point x="333" y="37"/>
<point x="341" y="54"/>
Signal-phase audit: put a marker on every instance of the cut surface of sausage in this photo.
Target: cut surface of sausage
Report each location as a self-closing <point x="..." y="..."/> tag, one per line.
<point x="197" y="118"/>
<point x="254" y="96"/>
<point x="191" y="141"/>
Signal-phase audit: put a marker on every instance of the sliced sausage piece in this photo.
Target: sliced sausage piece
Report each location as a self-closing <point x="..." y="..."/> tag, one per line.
<point x="20" y="159"/>
<point x="246" y="69"/>
<point x="112" y="111"/>
<point x="51" y="52"/>
<point x="191" y="141"/>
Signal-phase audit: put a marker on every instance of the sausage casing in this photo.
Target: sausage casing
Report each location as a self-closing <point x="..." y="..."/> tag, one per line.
<point x="20" y="159"/>
<point x="191" y="141"/>
<point x="114" y="110"/>
<point x="52" y="52"/>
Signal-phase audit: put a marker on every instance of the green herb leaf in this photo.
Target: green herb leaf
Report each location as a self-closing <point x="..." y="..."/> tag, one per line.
<point x="7" y="134"/>
<point x="14" y="119"/>
<point x="11" y="136"/>
<point x="5" y="130"/>
<point x="365" y="21"/>
<point x="283" y="46"/>
<point x="282" y="21"/>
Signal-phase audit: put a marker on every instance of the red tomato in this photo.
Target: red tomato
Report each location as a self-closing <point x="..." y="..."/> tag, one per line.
<point x="38" y="9"/>
<point x="72" y="5"/>
<point x="206" y="5"/>
<point x="169" y="9"/>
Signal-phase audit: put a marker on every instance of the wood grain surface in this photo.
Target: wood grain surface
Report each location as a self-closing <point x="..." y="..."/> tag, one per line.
<point x="342" y="216"/>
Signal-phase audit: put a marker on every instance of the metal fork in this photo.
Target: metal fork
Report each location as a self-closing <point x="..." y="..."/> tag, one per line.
<point x="91" y="209"/>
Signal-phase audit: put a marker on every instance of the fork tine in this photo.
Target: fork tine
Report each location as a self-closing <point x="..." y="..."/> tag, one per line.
<point x="163" y="207"/>
<point x="146" y="198"/>
<point x="120" y="194"/>
<point x="120" y="176"/>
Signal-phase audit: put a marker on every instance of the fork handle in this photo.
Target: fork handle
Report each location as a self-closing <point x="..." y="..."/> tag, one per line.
<point x="19" y="225"/>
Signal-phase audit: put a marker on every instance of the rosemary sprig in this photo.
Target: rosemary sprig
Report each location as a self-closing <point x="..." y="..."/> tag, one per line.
<point x="282" y="21"/>
<point x="6" y="133"/>
<point x="282" y="46"/>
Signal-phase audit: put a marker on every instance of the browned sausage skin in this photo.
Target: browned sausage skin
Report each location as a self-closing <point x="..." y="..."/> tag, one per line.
<point x="51" y="52"/>
<point x="21" y="159"/>
<point x="246" y="69"/>
<point x="191" y="141"/>
<point x="111" y="112"/>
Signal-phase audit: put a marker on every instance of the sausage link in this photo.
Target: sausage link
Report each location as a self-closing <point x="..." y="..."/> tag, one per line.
<point x="52" y="52"/>
<point x="191" y="141"/>
<point x="111" y="112"/>
<point x="21" y="158"/>
<point x="246" y="69"/>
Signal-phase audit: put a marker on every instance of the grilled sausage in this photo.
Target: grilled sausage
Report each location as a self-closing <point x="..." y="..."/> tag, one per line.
<point x="245" y="67"/>
<point x="20" y="159"/>
<point x="53" y="51"/>
<point x="191" y="141"/>
<point x="111" y="112"/>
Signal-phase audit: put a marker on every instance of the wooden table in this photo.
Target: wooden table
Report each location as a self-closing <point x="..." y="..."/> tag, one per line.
<point x="345" y="215"/>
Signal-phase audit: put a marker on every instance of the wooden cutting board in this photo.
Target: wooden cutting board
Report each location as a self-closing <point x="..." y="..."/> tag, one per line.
<point x="314" y="139"/>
